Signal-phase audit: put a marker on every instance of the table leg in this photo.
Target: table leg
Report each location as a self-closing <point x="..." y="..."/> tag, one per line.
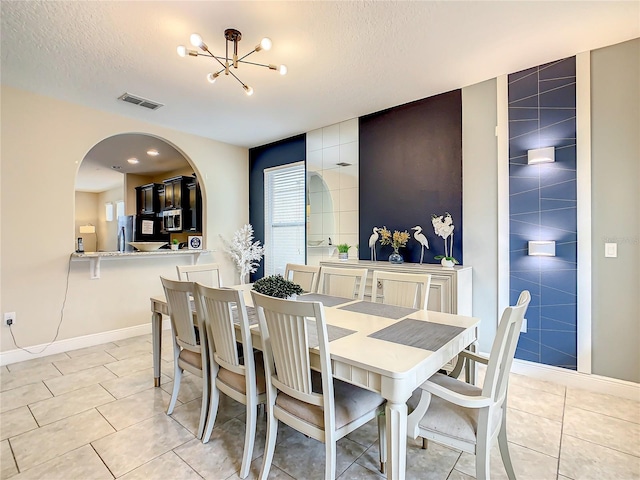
<point x="156" y="332"/>
<point x="396" y="440"/>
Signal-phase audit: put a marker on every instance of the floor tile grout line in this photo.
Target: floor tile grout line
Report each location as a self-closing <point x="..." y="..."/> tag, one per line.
<point x="604" y="414"/>
<point x="101" y="459"/>
<point x="602" y="446"/>
<point x="564" y="409"/>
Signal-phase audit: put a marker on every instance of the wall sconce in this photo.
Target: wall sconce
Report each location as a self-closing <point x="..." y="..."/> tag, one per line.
<point x="541" y="155"/>
<point x="87" y="229"/>
<point x="544" y="248"/>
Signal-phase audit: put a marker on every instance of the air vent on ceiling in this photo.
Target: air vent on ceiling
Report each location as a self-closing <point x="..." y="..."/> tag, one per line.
<point x="142" y="102"/>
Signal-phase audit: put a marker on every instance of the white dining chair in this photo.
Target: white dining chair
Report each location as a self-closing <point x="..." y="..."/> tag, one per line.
<point x="304" y="275"/>
<point x="466" y="417"/>
<point x="342" y="282"/>
<point x="189" y="346"/>
<point x="241" y="378"/>
<point x="401" y="289"/>
<point x="207" y="274"/>
<point x="312" y="402"/>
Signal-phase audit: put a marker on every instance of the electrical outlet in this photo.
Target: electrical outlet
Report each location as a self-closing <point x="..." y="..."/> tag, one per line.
<point x="523" y="328"/>
<point x="9" y="318"/>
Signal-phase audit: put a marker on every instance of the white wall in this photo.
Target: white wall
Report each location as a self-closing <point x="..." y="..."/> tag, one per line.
<point x="334" y="205"/>
<point x="108" y="231"/>
<point x="43" y="142"/>
<point x="480" y="202"/>
<point x="615" y="163"/>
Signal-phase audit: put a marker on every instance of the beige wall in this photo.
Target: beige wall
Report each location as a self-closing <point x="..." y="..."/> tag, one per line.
<point x="615" y="163"/>
<point x="86" y="214"/>
<point x="108" y="231"/>
<point x="43" y="142"/>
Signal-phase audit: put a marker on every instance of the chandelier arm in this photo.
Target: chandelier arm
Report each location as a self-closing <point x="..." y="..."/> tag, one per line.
<point x="234" y="76"/>
<point x="216" y="58"/>
<point x="253" y="63"/>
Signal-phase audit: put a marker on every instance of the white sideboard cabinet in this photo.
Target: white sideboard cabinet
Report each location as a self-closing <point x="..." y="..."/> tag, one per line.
<point x="451" y="288"/>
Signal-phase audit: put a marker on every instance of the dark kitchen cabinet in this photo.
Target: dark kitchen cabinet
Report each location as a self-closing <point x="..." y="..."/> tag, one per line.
<point x="193" y="214"/>
<point x="148" y="199"/>
<point x="176" y="193"/>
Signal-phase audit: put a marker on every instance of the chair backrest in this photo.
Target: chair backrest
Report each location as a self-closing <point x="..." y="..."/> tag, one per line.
<point x="207" y="274"/>
<point x="181" y="308"/>
<point x="285" y="337"/>
<point x="401" y="289"/>
<point x="342" y="282"/>
<point x="503" y="349"/>
<point x="218" y="309"/>
<point x="304" y="275"/>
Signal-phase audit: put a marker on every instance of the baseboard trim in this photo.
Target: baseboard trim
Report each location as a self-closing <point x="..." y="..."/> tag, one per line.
<point x="61" y="346"/>
<point x="571" y="378"/>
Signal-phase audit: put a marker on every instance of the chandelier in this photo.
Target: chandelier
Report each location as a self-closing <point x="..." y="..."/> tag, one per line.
<point x="226" y="62"/>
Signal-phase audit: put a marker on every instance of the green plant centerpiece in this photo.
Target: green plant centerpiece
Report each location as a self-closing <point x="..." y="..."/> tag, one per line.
<point x="277" y="286"/>
<point x="343" y="248"/>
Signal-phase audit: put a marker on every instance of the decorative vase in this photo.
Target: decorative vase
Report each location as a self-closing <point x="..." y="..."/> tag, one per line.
<point x="447" y="263"/>
<point x="343" y="257"/>
<point x="395" y="257"/>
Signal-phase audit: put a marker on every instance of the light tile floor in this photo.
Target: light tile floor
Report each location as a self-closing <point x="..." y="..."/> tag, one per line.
<point x="93" y="414"/>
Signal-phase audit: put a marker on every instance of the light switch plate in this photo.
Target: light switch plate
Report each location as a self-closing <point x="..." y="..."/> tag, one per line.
<point x="611" y="250"/>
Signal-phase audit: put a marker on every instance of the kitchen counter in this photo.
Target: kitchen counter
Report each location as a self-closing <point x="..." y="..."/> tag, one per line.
<point x="96" y="257"/>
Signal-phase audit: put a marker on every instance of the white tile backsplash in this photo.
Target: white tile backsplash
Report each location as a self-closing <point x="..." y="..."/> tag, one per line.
<point x="333" y="192"/>
<point x="314" y="141"/>
<point x="349" y="131"/>
<point x="330" y="157"/>
<point x="331" y="135"/>
<point x="314" y="160"/>
<point x="348" y="200"/>
<point x="349" y="153"/>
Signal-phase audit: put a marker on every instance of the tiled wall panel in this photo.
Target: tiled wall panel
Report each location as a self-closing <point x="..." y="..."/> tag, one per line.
<point x="542" y="202"/>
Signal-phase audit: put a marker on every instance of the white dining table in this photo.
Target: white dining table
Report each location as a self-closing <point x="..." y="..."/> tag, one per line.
<point x="391" y="368"/>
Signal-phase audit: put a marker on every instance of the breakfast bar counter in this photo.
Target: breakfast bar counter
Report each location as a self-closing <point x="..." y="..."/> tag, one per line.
<point x="95" y="258"/>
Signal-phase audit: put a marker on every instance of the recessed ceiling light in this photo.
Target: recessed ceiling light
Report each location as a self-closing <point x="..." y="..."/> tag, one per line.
<point x="153" y="153"/>
<point x="133" y="161"/>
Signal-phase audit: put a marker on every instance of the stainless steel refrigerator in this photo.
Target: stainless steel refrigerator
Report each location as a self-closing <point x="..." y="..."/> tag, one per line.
<point x="126" y="232"/>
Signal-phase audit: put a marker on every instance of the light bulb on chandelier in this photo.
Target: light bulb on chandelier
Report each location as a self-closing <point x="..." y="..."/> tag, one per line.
<point x="227" y="62"/>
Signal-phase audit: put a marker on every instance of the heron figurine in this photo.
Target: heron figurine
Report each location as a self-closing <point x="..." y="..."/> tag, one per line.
<point x="372" y="243"/>
<point x="419" y="236"/>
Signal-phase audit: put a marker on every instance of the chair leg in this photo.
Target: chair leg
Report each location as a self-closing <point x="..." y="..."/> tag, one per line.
<point x="382" y="441"/>
<point x="330" y="458"/>
<point x="425" y="443"/>
<point x="482" y="461"/>
<point x="249" y="438"/>
<point x="504" y="451"/>
<point x="212" y="411"/>
<point x="177" y="376"/>
<point x="270" y="444"/>
<point x="204" y="405"/>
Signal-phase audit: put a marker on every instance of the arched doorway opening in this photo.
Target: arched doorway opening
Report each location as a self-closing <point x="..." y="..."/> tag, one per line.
<point x="119" y="175"/>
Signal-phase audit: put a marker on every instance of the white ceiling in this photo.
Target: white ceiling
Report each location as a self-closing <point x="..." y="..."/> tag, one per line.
<point x="345" y="59"/>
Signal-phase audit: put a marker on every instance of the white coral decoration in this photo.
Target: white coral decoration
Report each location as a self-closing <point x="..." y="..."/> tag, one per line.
<point x="244" y="251"/>
<point x="443" y="226"/>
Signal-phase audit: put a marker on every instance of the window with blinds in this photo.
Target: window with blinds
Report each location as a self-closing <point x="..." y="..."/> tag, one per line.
<point x="284" y="222"/>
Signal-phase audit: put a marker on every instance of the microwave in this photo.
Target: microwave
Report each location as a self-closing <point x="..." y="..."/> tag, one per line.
<point x="172" y="220"/>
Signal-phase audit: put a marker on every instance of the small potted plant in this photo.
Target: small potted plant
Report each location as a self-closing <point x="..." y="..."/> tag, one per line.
<point x="443" y="226"/>
<point x="175" y="244"/>
<point x="277" y="286"/>
<point x="343" y="251"/>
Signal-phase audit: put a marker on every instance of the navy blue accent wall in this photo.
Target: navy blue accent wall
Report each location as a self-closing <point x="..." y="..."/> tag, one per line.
<point x="286" y="151"/>
<point x="411" y="167"/>
<point x="542" y="202"/>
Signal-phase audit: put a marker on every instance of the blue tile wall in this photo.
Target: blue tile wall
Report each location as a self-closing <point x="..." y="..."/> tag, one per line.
<point x="542" y="206"/>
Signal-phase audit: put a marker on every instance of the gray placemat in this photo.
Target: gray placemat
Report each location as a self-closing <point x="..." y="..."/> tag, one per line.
<point x="252" y="315"/>
<point x="379" y="309"/>
<point x="333" y="332"/>
<point x="326" y="300"/>
<point x="418" y="333"/>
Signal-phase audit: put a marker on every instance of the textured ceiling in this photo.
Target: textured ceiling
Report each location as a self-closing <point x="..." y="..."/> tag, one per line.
<point x="345" y="59"/>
